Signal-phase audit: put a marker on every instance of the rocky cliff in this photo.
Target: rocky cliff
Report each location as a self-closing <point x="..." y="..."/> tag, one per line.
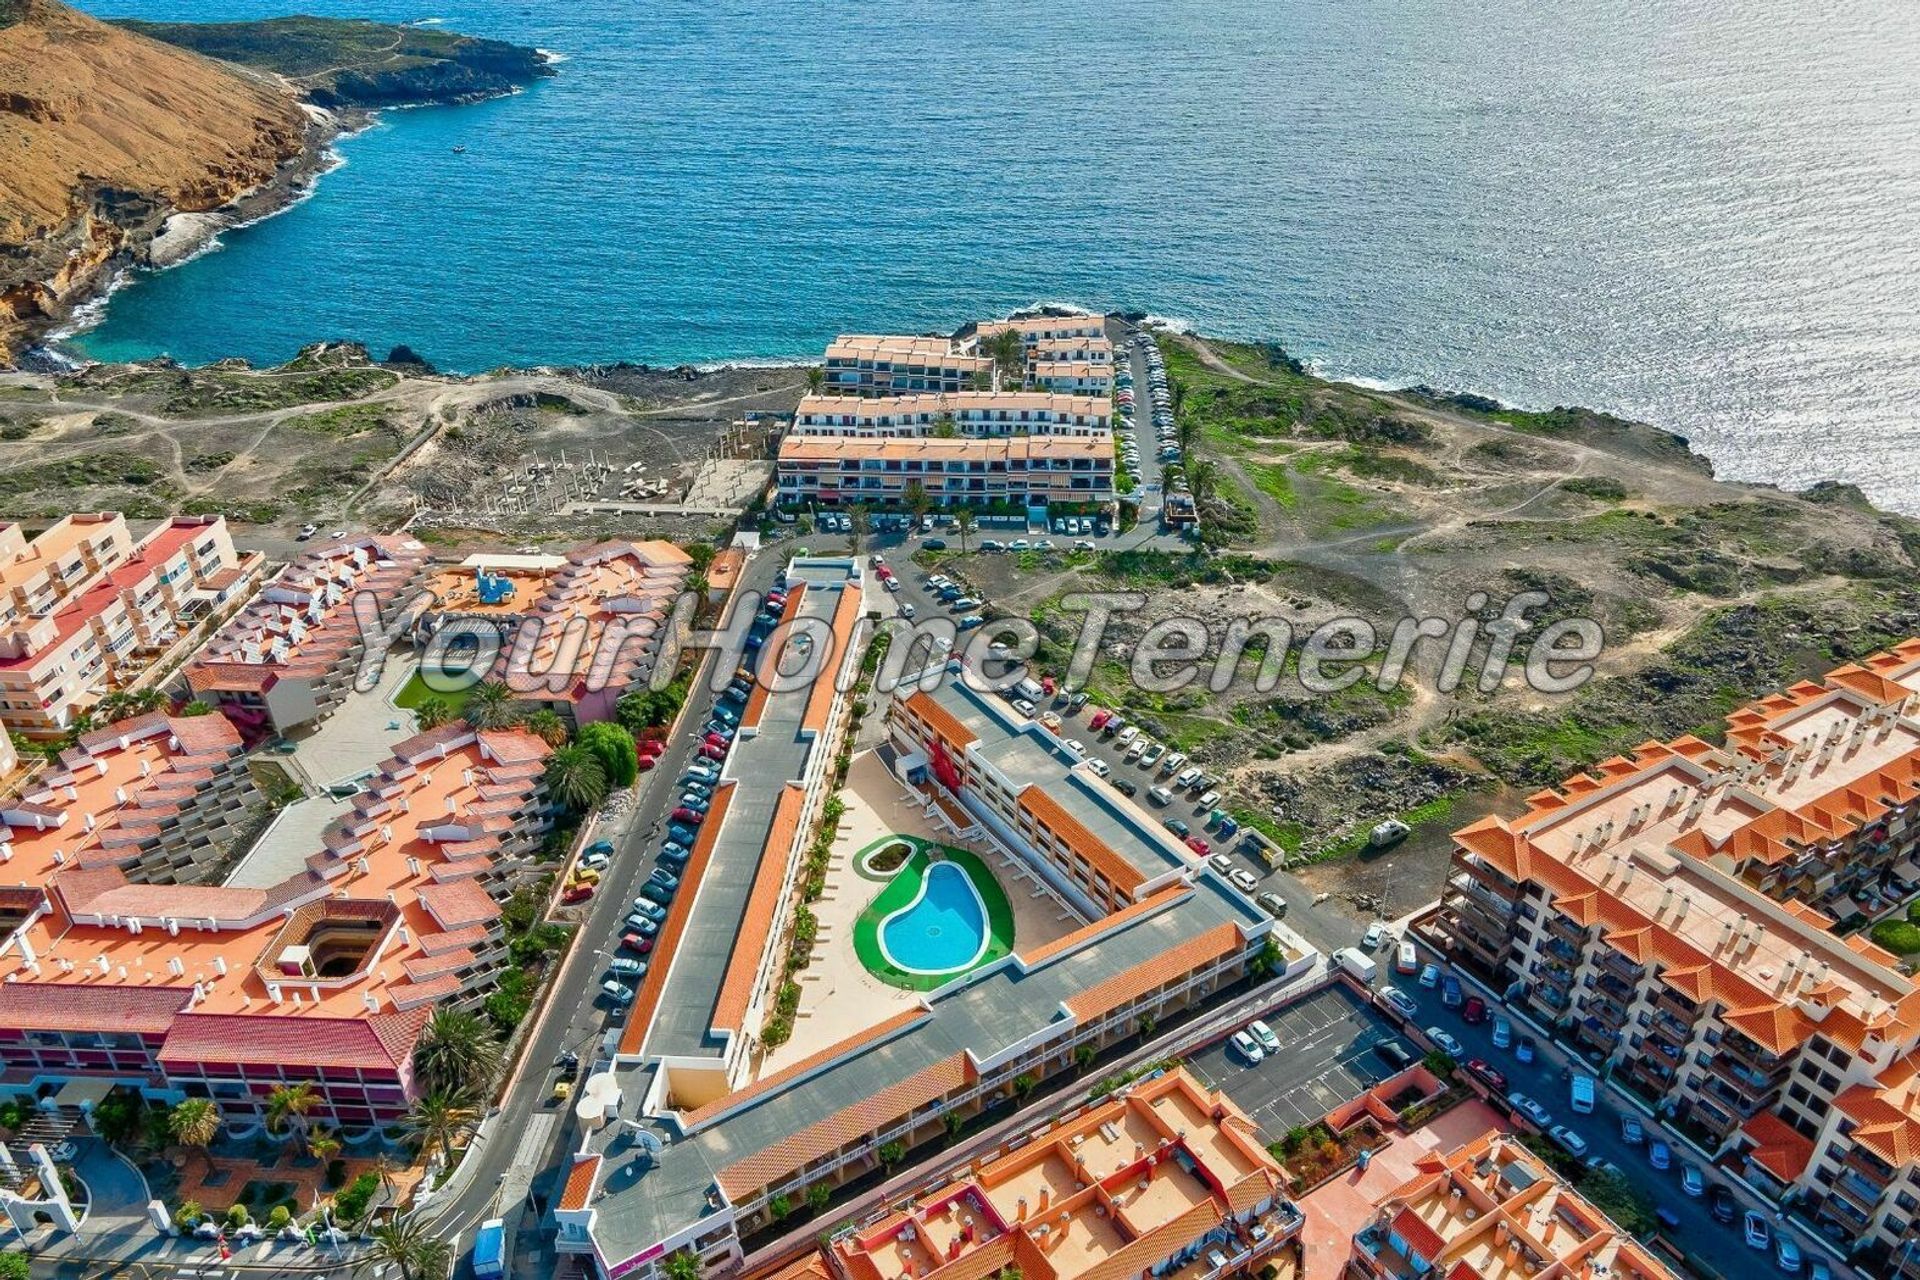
<point x="103" y="133"/>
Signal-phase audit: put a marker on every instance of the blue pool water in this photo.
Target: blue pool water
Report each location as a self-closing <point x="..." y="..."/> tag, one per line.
<point x="941" y="931"/>
<point x="1705" y="213"/>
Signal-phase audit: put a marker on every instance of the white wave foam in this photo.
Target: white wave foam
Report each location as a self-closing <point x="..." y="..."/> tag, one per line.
<point x="1174" y="323"/>
<point x="427" y="22"/>
<point x="553" y="56"/>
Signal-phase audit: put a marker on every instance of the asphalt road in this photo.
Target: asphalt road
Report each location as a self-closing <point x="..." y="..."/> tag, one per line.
<point x="575" y="1016"/>
<point x="1720" y="1246"/>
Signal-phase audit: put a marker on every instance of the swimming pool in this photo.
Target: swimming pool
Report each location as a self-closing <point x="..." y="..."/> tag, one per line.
<point x="943" y="930"/>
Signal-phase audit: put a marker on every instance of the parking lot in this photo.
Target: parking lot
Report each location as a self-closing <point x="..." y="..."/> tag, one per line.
<point x="1326" y="1058"/>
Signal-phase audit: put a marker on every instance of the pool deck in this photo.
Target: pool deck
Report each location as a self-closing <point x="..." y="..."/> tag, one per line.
<point x="838" y="996"/>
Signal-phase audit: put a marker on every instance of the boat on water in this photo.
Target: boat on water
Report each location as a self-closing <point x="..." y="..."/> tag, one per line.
<point x="460" y="151"/>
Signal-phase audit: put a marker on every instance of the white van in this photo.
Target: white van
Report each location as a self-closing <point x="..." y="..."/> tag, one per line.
<point x="1187" y="779"/>
<point x="1582" y="1088"/>
<point x="1408" y="960"/>
<point x="1030" y="690"/>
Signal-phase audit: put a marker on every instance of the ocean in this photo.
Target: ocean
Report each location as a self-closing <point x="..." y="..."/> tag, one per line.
<point x="1704" y="214"/>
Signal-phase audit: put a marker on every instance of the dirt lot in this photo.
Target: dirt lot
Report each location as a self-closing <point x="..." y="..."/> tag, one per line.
<point x="333" y="439"/>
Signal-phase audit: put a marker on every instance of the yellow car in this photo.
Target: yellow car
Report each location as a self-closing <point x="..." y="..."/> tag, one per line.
<point x="586" y="875"/>
<point x="563" y="1090"/>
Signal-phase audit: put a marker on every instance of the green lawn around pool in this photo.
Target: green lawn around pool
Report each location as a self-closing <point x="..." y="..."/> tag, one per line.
<point x="903" y="886"/>
<point x="415" y="691"/>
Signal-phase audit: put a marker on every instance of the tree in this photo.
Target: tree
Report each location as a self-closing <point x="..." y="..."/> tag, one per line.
<point x="682" y="1265"/>
<point x="287" y="1108"/>
<point x="859" y="523"/>
<point x="323" y="1145"/>
<point x="456" y="1053"/>
<point x="188" y="1214"/>
<point x="612" y="745"/>
<point x="701" y="555"/>
<point x="490" y="705"/>
<point x="1009" y="354"/>
<point x="433" y="712"/>
<point x="1083" y="1056"/>
<point x="1203" y="479"/>
<point x="816" y="378"/>
<point x="437" y="1119"/>
<point x="1620" y="1200"/>
<point x="892" y="1153"/>
<point x="817" y="1196"/>
<point x="194" y="1122"/>
<point x="963" y="521"/>
<point x="404" y="1244"/>
<point x="1023" y="1084"/>
<point x="575" y="778"/>
<point x="944" y="427"/>
<point x="1186" y="433"/>
<point x="918" y="501"/>
<point x="196" y="708"/>
<point x="546" y="725"/>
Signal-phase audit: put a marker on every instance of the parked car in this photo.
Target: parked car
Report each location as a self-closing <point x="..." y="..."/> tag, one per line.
<point x="1754" y="1228"/>
<point x="1721" y="1204"/>
<point x="1406" y="959"/>
<point x="1160" y="796"/>
<point x="664" y="877"/>
<point x="1659" y="1154"/>
<point x="1273" y="903"/>
<point x="1124" y="787"/>
<point x="1632" y="1132"/>
<point x="681" y="834"/>
<point x="1475" y="1011"/>
<point x="688" y="816"/>
<point x="1569" y="1141"/>
<point x="1246" y="1046"/>
<point x="594" y="861"/>
<point x="1786" y="1253"/>
<point x="645" y="926"/>
<point x="575" y="892"/>
<point x="1394" y="1054"/>
<point x="1447" y="1042"/>
<point x="623" y="967"/>
<point x="1430" y="976"/>
<point x="1199" y="846"/>
<point x="636" y="942"/>
<point x="647" y="907"/>
<point x="1502" y="1034"/>
<point x="1450" y="994"/>
<point x="1376" y="934"/>
<point x="1098" y="767"/>
<point x="1692" y="1182"/>
<point x="1403" y="1003"/>
<point x="1264" y="1034"/>
<point x="1488" y="1075"/>
<point x="618" y="992"/>
<point x="600" y="849"/>
<point x="1523" y="1049"/>
<point x="1243" y="880"/>
<point x="1539" y="1115"/>
<point x="1178" y="827"/>
<point x="656" y="892"/>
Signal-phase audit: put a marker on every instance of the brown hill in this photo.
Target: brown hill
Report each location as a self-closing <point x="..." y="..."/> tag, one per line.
<point x="102" y="134"/>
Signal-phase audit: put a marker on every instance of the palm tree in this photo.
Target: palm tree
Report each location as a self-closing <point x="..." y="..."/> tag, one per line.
<point x="545" y="724"/>
<point x="433" y="712"/>
<point x="287" y="1108"/>
<point x="456" y="1053"/>
<point x="683" y="1265"/>
<point x="1186" y="433"/>
<point x="1203" y="479"/>
<point x="816" y="378"/>
<point x="963" y="525"/>
<point x="859" y="522"/>
<point x="404" y="1243"/>
<point x="437" y="1119"/>
<point x="575" y="778"/>
<point x="1009" y="354"/>
<point x="322" y="1145"/>
<point x="194" y="1122"/>
<point x="918" y="501"/>
<point x="490" y="705"/>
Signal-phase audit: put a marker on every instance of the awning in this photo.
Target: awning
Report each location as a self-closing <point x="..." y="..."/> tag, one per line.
<point x="84" y="1093"/>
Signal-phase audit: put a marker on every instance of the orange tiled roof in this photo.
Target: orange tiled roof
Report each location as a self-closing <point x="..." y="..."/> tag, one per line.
<point x="1052" y="815"/>
<point x="942" y="721"/>
<point x="1778" y="1147"/>
<point x="812" y="1062"/>
<point x="580" y="1180"/>
<point x="763" y="911"/>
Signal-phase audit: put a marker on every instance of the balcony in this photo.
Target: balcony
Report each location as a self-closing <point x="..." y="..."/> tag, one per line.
<point x="1858" y="1189"/>
<point x="1501" y="905"/>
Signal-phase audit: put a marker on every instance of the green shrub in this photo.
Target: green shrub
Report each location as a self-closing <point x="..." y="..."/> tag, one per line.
<point x="1898" y="936"/>
<point x="238" y="1216"/>
<point x="351" y="1205"/>
<point x="279" y="1218"/>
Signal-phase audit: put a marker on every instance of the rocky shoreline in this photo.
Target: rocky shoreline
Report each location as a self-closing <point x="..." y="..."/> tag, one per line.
<point x="114" y="228"/>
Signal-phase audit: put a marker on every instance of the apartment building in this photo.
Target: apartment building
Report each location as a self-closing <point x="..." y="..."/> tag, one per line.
<point x="161" y="799"/>
<point x="1071" y="366"/>
<point x="1028" y="471"/>
<point x="1163" y="1178"/>
<point x="572" y="633"/>
<point x="86" y="610"/>
<point x="861" y="364"/>
<point x="317" y="966"/>
<point x="1034" y="330"/>
<point x="1654" y="912"/>
<point x="290" y="656"/>
<point x="981" y="415"/>
<point x="1160" y="932"/>
<point x="1493" y="1210"/>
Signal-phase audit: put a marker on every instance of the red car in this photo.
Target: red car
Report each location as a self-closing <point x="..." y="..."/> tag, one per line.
<point x="1486" y="1075"/>
<point x="1475" y="1011"/>
<point x="712" y="752"/>
<point x="687" y="816"/>
<point x="576" y="893"/>
<point x="1099" y="718"/>
<point x="1198" y="845"/>
<point x="647" y="762"/>
<point x="634" y="942"/>
<point x="716" y="740"/>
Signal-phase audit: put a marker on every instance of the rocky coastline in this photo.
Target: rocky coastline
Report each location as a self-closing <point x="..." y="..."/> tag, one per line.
<point x="113" y="226"/>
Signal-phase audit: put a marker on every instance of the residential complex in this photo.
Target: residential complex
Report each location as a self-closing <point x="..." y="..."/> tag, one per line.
<point x="1026" y="471"/>
<point x="859" y="364"/>
<point x="1034" y="330"/>
<point x="316" y="965"/>
<point x="572" y="632"/>
<point x="1493" y="1210"/>
<point x="291" y="655"/>
<point x="1673" y="914"/>
<point x="1150" y="930"/>
<point x="1161" y="1178"/>
<point x="85" y="610"/>
<point x="976" y="415"/>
